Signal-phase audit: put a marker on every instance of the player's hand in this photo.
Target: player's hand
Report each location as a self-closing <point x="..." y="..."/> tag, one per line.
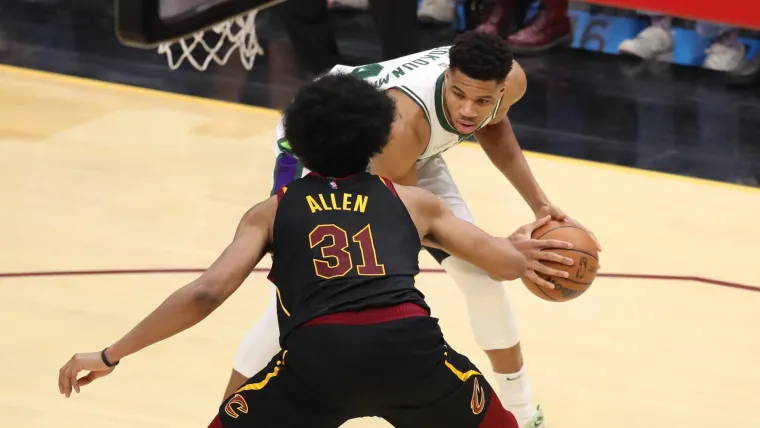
<point x="534" y="251"/>
<point x="67" y="376"/>
<point x="559" y="215"/>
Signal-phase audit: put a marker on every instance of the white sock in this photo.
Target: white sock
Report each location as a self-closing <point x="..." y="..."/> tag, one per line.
<point x="514" y="393"/>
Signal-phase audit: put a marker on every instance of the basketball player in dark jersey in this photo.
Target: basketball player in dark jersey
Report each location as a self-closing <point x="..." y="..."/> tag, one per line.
<point x="357" y="337"/>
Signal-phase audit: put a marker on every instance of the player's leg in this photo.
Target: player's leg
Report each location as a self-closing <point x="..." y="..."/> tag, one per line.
<point x="271" y="399"/>
<point x="491" y="316"/>
<point x="456" y="394"/>
<point x="258" y="346"/>
<point x="262" y="340"/>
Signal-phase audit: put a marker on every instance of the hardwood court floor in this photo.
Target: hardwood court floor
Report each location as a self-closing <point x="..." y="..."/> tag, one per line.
<point x="100" y="177"/>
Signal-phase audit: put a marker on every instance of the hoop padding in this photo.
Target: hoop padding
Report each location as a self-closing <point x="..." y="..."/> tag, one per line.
<point x="238" y="33"/>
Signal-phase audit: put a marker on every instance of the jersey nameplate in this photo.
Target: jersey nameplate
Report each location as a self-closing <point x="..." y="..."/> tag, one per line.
<point x="370" y="72"/>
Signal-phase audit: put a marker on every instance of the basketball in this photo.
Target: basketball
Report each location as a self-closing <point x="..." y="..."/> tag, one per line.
<point x="580" y="275"/>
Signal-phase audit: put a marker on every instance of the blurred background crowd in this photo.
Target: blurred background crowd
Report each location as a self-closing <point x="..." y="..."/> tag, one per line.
<point x="531" y="27"/>
<point x="609" y="80"/>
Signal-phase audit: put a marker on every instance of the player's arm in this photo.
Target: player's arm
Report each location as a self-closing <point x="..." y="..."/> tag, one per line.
<point x="196" y="300"/>
<point x="407" y="142"/>
<point x="440" y="228"/>
<point x="188" y="305"/>
<point x="500" y="144"/>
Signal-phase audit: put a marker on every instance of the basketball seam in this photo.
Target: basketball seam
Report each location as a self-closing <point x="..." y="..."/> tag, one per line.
<point x="558" y="227"/>
<point x="578" y="251"/>
<point x="572" y="249"/>
<point x="541" y="289"/>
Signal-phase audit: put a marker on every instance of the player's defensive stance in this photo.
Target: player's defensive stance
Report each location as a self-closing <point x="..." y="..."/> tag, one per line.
<point x="357" y="337"/>
<point x="443" y="96"/>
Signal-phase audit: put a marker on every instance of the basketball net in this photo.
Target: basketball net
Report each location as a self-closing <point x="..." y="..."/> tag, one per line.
<point x="236" y="34"/>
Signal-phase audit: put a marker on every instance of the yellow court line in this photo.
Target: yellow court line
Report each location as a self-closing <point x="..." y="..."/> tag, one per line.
<point x="272" y="112"/>
<point x="134" y="89"/>
<point x="638" y="171"/>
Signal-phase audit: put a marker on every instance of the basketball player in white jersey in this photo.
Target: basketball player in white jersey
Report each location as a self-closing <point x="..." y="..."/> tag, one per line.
<point x="443" y="96"/>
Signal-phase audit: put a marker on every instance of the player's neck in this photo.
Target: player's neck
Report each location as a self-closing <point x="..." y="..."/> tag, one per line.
<point x="314" y="174"/>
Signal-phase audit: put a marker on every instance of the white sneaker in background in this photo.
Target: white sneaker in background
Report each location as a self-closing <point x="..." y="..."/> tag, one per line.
<point x="724" y="57"/>
<point x="437" y="11"/>
<point x="651" y="43"/>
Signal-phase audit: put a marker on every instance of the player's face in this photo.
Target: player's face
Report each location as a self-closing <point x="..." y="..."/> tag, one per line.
<point x="468" y="101"/>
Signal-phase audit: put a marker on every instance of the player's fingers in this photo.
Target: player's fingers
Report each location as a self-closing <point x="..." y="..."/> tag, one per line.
<point x="552" y="243"/>
<point x="585" y="229"/>
<point x="539" y="267"/>
<point x="593" y="237"/>
<point x="95" y="375"/>
<point x="60" y="379"/>
<point x="596" y="241"/>
<point x="73" y="380"/>
<point x="554" y="257"/>
<point x="539" y="281"/>
<point x="65" y="382"/>
<point x="75" y="383"/>
<point x="539" y="222"/>
<point x="86" y="380"/>
<point x="557" y="214"/>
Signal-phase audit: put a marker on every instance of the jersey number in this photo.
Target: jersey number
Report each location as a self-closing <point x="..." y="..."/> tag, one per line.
<point x="336" y="260"/>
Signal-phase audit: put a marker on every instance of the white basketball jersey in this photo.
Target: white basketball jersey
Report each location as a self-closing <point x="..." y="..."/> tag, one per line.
<point x="421" y="77"/>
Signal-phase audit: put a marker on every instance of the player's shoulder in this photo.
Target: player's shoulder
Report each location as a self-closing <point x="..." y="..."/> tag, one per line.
<point x="517" y="84"/>
<point x="260" y="217"/>
<point x="517" y="81"/>
<point x="263" y="210"/>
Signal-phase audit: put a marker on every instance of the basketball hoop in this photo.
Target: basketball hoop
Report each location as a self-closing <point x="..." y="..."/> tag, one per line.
<point x="236" y="34"/>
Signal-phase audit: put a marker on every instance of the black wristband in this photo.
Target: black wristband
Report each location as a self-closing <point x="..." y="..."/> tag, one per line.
<point x="105" y="359"/>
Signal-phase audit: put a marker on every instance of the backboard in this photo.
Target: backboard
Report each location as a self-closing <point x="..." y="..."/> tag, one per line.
<point x="148" y="23"/>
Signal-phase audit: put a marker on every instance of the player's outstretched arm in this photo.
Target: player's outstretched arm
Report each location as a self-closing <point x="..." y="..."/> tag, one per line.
<point x="439" y="227"/>
<point x="188" y="305"/>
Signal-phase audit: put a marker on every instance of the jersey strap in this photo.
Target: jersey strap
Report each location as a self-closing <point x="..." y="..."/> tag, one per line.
<point x="389" y="184"/>
<point x="281" y="192"/>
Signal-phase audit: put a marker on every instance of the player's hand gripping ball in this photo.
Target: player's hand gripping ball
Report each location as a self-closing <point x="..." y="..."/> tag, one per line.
<point x="583" y="253"/>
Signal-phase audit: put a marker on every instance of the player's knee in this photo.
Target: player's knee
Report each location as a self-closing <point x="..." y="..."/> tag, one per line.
<point x="491" y="317"/>
<point x="260" y="343"/>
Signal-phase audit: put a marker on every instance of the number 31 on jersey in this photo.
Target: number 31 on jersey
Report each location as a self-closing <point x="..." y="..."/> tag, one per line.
<point x="336" y="260"/>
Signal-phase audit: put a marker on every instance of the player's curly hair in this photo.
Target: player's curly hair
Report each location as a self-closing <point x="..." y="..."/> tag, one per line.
<point x="481" y="56"/>
<point x="337" y="123"/>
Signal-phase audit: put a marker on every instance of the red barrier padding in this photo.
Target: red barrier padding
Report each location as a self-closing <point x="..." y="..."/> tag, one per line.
<point x="740" y="13"/>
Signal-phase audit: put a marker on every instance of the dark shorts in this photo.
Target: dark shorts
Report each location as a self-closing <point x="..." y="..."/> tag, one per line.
<point x="353" y="365"/>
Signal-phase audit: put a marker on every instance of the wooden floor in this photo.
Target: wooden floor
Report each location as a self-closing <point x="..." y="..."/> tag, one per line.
<point x="100" y="177"/>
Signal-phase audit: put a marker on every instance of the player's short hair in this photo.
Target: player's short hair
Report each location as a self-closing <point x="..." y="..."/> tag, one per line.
<point x="337" y="123"/>
<point x="481" y="56"/>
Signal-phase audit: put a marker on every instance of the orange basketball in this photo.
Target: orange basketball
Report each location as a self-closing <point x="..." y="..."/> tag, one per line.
<point x="581" y="274"/>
